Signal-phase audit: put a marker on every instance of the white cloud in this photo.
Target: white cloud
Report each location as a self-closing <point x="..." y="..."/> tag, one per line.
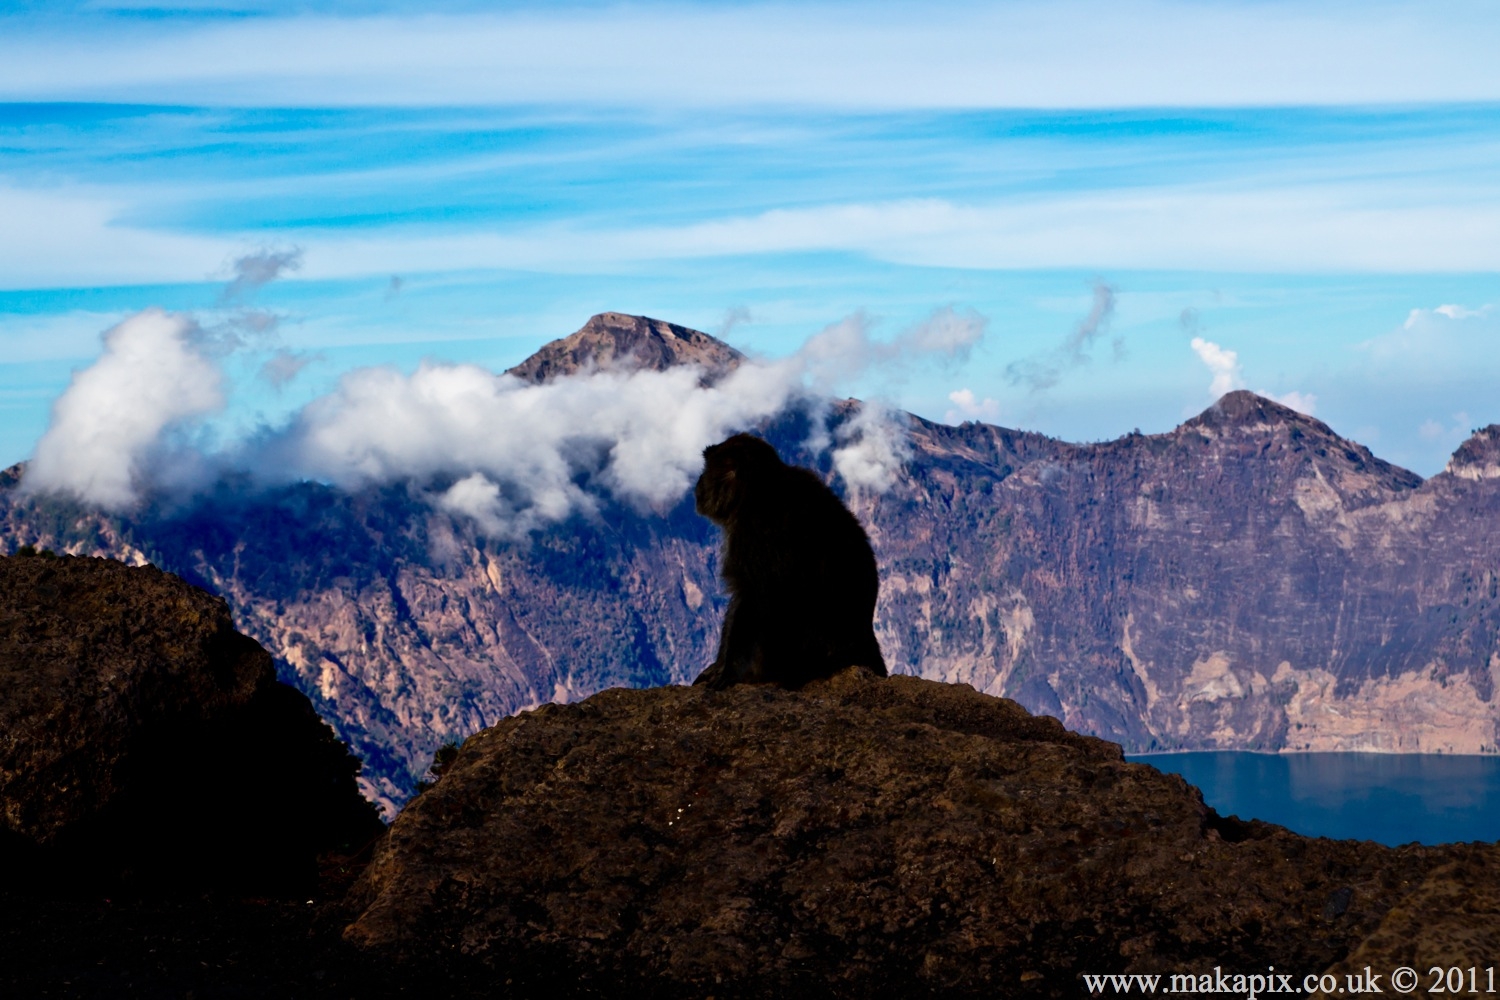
<point x="510" y="455"/>
<point x="112" y="420"/>
<point x="874" y="446"/>
<point x="968" y="407"/>
<point x="1223" y="364"/>
<point x="1302" y="402"/>
<point x="1459" y="312"/>
<point x="477" y="498"/>
<point x="638" y="435"/>
<point x="1228" y="375"/>
<point x="1032" y="54"/>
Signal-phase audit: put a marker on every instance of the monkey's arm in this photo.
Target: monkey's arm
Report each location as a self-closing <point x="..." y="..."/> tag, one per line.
<point x="713" y="675"/>
<point x="740" y="652"/>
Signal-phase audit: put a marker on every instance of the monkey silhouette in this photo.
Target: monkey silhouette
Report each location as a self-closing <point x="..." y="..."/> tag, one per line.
<point x="800" y="571"/>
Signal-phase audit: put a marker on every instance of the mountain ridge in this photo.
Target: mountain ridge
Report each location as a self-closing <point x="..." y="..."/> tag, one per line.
<point x="1248" y="579"/>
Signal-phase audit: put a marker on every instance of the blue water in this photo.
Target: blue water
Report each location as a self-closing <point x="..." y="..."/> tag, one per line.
<point x="1389" y="798"/>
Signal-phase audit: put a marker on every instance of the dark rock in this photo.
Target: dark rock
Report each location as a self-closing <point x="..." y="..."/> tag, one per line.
<point x="1338" y="903"/>
<point x="1451" y="919"/>
<point x="143" y="740"/>
<point x="859" y="837"/>
<point x="77" y="946"/>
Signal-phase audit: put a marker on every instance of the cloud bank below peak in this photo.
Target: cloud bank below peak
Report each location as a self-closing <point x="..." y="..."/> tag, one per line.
<point x="506" y="454"/>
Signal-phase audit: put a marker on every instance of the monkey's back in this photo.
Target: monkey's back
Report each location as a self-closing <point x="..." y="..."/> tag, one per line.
<point x="805" y="573"/>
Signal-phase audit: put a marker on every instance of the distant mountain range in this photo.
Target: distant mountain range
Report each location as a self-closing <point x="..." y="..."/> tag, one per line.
<point x="1249" y="580"/>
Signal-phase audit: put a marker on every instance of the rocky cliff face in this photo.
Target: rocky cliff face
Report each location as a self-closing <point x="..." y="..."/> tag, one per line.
<point x="143" y="740"/>
<point x="867" y="837"/>
<point x="1248" y="580"/>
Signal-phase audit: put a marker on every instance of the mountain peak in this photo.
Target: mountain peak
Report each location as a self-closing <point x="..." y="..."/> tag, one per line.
<point x="1243" y="408"/>
<point x="1478" y="457"/>
<point x="614" y="339"/>
<point x="1250" y="418"/>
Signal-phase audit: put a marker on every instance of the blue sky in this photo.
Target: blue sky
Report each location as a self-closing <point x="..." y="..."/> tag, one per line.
<point x="1314" y="187"/>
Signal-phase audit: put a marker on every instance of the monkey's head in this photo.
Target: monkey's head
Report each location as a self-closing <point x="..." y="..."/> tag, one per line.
<point x="730" y="468"/>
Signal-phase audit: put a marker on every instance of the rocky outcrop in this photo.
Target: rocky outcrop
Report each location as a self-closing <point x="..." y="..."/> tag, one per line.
<point x="859" y="837"/>
<point x="1479" y="457"/>
<point x="1248" y="580"/>
<point x="143" y="739"/>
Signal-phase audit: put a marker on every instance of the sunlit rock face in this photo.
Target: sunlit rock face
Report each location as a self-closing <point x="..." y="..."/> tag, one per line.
<point x="1247" y="580"/>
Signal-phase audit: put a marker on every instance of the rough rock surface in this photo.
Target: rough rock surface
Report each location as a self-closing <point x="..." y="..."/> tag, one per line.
<point x="895" y="837"/>
<point x="1451" y="920"/>
<point x="143" y="738"/>
<point x="1248" y="580"/>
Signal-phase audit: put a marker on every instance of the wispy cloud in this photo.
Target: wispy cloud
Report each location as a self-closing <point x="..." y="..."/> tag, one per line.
<point x="1422" y="318"/>
<point x="1449" y="434"/>
<point x="74" y="237"/>
<point x="1084" y="53"/>
<point x="946" y="332"/>
<point x="283" y="366"/>
<point x="735" y="316"/>
<point x="62" y="240"/>
<point x="1045" y="370"/>
<point x="1444" y="336"/>
<point x="253" y="271"/>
